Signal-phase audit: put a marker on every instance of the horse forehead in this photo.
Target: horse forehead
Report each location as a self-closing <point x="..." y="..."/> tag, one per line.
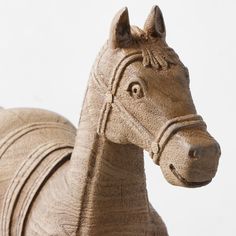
<point x="155" y="45"/>
<point x="172" y="73"/>
<point x="176" y="71"/>
<point x="157" y="55"/>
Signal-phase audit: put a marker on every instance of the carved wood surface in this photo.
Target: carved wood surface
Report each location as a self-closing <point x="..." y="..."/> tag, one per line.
<point x="56" y="180"/>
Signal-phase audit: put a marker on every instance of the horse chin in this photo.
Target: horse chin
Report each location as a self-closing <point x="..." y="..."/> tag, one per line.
<point x="173" y="176"/>
<point x="184" y="182"/>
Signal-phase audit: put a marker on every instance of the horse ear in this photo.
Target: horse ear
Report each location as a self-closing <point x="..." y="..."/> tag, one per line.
<point x="120" y="34"/>
<point x="155" y="25"/>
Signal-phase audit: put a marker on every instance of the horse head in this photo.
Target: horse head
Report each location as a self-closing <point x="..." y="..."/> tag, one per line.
<point x="141" y="90"/>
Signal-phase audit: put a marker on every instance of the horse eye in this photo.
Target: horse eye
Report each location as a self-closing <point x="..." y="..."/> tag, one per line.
<point x="135" y="90"/>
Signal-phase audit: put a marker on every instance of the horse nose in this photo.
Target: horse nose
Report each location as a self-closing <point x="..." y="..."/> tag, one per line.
<point x="211" y="150"/>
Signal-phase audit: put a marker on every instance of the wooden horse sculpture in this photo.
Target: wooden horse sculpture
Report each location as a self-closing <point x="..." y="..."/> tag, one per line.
<point x="56" y="182"/>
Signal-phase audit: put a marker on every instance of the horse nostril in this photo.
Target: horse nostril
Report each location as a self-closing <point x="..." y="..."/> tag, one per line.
<point x="212" y="150"/>
<point x="193" y="153"/>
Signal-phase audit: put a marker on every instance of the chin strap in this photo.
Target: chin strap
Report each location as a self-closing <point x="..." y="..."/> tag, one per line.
<point x="156" y="143"/>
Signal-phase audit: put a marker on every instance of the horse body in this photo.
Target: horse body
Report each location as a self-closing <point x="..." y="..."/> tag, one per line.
<point x="33" y="144"/>
<point x="41" y="186"/>
<point x="55" y="181"/>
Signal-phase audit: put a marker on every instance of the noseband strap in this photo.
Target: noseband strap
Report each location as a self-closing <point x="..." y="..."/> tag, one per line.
<point x="169" y="129"/>
<point x="156" y="143"/>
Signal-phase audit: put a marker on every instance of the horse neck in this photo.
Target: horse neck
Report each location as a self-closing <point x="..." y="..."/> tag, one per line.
<point x="108" y="181"/>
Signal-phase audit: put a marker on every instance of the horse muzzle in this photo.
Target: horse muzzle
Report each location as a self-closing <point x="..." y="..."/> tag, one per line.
<point x="190" y="158"/>
<point x="186" y="152"/>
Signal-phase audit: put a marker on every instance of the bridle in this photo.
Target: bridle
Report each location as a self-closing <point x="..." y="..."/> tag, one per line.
<point x="157" y="142"/>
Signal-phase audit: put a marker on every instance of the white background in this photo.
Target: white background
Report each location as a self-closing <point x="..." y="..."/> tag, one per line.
<point x="46" y="52"/>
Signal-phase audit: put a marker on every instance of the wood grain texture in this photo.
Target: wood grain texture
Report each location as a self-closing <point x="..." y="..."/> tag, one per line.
<point x="55" y="180"/>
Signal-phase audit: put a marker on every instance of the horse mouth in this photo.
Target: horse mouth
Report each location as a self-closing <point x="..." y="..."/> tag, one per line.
<point x="184" y="181"/>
